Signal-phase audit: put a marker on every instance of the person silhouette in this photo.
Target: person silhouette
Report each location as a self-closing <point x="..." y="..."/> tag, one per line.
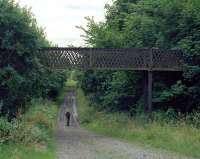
<point x="67" y="115"/>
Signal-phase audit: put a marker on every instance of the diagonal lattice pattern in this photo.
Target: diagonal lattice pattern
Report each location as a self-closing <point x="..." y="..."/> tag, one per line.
<point x="128" y="59"/>
<point x="168" y="60"/>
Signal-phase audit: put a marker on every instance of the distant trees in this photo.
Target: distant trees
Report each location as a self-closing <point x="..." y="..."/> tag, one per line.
<point x="22" y="76"/>
<point x="168" y="24"/>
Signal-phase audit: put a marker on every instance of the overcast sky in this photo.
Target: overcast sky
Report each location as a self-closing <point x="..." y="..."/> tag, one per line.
<point x="59" y="17"/>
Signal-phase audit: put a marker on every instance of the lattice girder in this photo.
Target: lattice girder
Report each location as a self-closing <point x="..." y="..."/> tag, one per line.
<point x="128" y="59"/>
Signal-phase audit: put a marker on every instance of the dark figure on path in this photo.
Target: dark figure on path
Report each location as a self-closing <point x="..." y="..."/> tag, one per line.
<point x="67" y="114"/>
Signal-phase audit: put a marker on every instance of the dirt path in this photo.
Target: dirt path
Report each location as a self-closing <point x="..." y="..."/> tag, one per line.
<point x="76" y="143"/>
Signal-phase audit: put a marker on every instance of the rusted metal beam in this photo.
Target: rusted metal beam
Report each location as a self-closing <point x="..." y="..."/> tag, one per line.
<point x="113" y="59"/>
<point x="150" y="90"/>
<point x="145" y="90"/>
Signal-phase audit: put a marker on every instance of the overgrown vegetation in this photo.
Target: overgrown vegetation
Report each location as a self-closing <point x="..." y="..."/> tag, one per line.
<point x="165" y="131"/>
<point x="22" y="75"/>
<point x="25" y="129"/>
<point x="27" y="115"/>
<point x="116" y="97"/>
<point x="165" y="24"/>
<point x="30" y="135"/>
<point x="115" y="106"/>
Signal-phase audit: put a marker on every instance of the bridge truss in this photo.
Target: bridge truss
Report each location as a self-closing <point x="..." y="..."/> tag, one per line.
<point x="127" y="59"/>
<point x="148" y="60"/>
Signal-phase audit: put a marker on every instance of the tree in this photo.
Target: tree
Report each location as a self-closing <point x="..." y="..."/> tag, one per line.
<point x="22" y="75"/>
<point x="168" y="24"/>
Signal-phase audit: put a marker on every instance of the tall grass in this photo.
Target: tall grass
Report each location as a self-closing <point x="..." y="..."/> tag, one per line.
<point x="30" y="136"/>
<point x="162" y="132"/>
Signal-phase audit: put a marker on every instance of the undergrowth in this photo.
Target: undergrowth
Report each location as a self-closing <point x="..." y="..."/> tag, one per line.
<point x="163" y="131"/>
<point x="30" y="135"/>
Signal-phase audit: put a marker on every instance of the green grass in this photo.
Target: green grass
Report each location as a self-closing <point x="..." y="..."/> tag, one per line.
<point x="34" y="139"/>
<point x="16" y="151"/>
<point x="71" y="83"/>
<point x="178" y="138"/>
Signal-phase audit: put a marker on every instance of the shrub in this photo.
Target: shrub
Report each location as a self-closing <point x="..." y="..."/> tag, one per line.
<point x="39" y="135"/>
<point x="22" y="74"/>
<point x="33" y="127"/>
<point x="15" y="131"/>
<point x="193" y="119"/>
<point x="5" y="129"/>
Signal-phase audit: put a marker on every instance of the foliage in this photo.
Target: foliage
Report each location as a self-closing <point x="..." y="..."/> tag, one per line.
<point x="22" y="75"/>
<point x="166" y="130"/>
<point x="24" y="152"/>
<point x="167" y="24"/>
<point x="35" y="126"/>
<point x="30" y="135"/>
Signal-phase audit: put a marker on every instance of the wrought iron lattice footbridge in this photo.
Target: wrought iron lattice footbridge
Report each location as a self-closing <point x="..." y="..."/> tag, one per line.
<point x="127" y="59"/>
<point x="147" y="60"/>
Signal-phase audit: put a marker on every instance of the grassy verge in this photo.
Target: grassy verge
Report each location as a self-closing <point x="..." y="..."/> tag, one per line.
<point x="179" y="138"/>
<point x="30" y="136"/>
<point x="18" y="151"/>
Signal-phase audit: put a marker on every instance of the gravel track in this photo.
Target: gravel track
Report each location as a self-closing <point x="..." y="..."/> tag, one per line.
<point x="76" y="143"/>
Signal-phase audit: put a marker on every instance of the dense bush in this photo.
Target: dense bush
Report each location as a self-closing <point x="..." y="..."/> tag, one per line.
<point x="168" y="24"/>
<point x="22" y="75"/>
<point x="34" y="126"/>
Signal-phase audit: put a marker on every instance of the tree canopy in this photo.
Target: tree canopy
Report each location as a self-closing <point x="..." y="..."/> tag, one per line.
<point x="22" y="76"/>
<point x="168" y="24"/>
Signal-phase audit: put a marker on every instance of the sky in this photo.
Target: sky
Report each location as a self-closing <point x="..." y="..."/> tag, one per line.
<point x="59" y="17"/>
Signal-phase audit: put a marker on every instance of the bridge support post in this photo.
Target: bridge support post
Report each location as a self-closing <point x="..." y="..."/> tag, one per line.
<point x="148" y="83"/>
<point x="145" y="91"/>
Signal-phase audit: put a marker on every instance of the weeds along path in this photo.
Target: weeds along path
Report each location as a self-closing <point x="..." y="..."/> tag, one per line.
<point x="76" y="143"/>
